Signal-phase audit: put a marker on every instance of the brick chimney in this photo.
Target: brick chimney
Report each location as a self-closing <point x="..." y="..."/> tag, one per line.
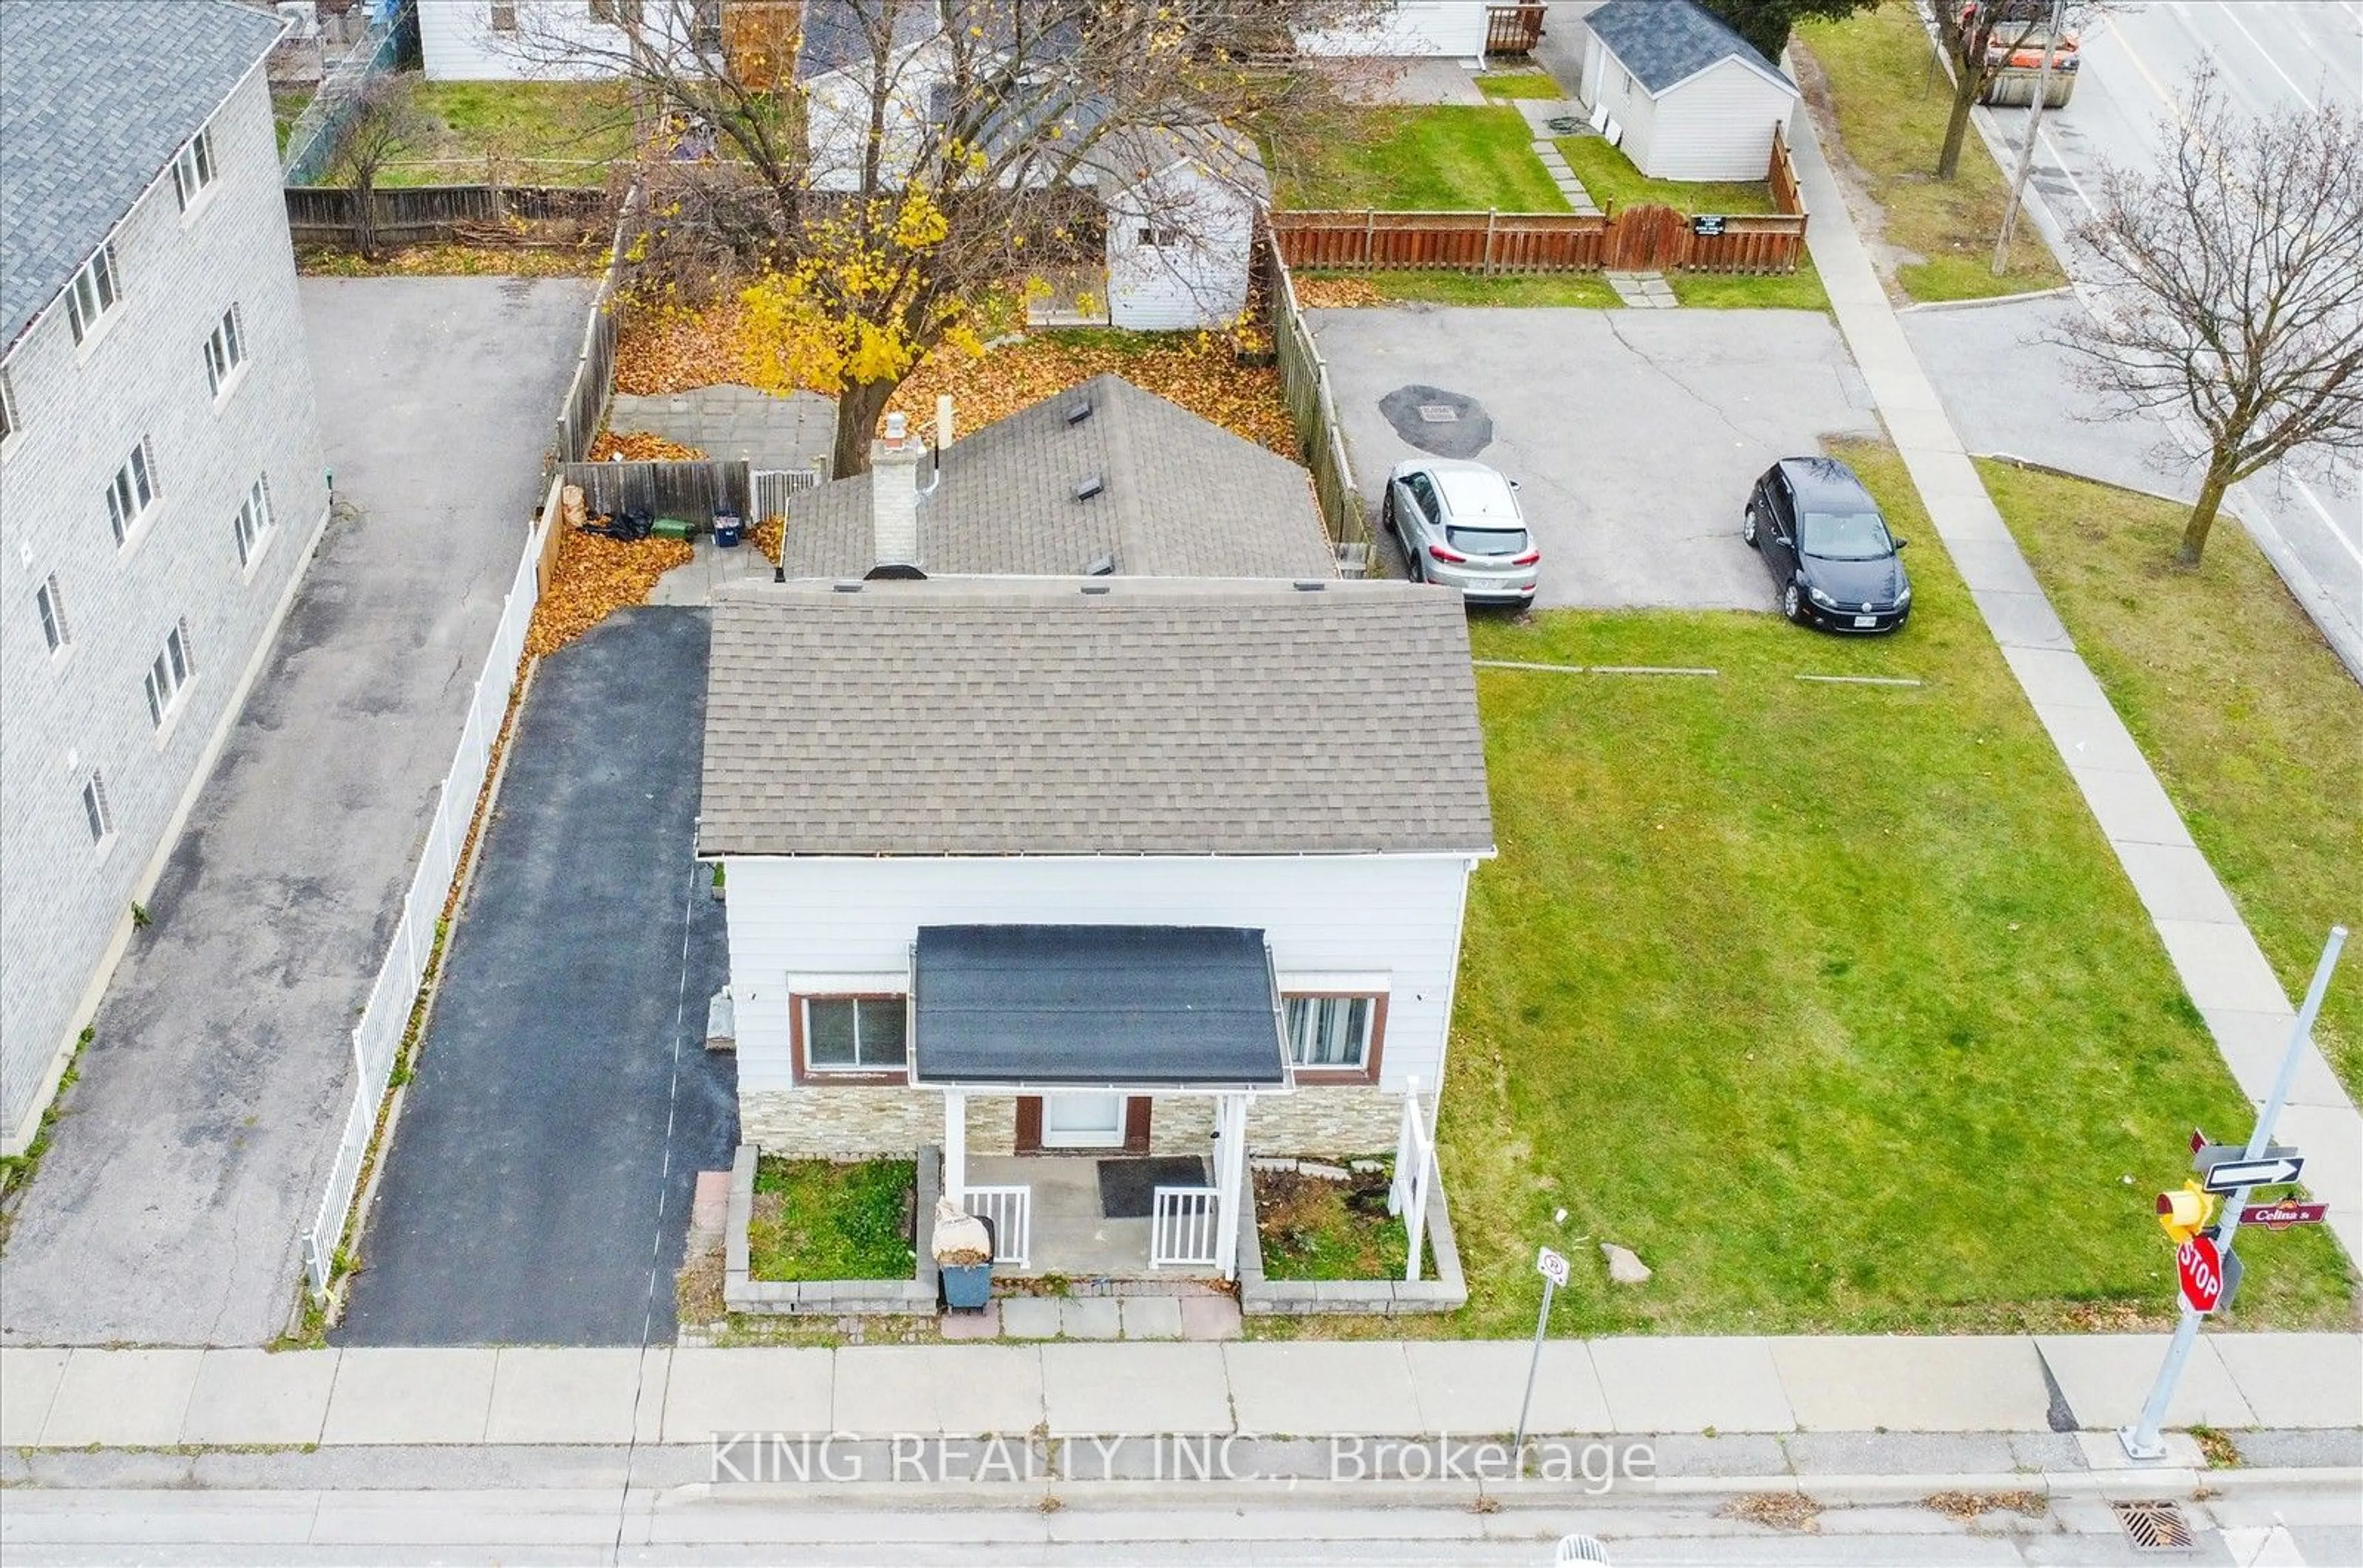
<point x="894" y="494"/>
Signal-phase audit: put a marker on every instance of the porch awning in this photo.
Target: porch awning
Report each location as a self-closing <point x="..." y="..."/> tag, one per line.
<point x="1122" y="1007"/>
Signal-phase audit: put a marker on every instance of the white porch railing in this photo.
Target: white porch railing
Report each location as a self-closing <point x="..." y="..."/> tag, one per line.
<point x="770" y="487"/>
<point x="1415" y="1169"/>
<point x="1010" y="1212"/>
<point x="1185" y="1228"/>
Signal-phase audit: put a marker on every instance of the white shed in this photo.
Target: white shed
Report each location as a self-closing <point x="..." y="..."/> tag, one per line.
<point x="1452" y="30"/>
<point x="1691" y="99"/>
<point x="547" y="41"/>
<point x="1182" y="210"/>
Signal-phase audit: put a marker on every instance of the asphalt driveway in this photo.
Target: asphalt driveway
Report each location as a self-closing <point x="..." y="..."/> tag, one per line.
<point x="540" y="1185"/>
<point x="193" y="1153"/>
<point x="1633" y="434"/>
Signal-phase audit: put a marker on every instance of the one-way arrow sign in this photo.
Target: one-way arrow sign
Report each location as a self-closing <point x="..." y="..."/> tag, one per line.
<point x="2231" y="1176"/>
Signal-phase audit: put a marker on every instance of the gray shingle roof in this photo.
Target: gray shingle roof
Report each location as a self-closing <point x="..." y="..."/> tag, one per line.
<point x="95" y="97"/>
<point x="1184" y="498"/>
<point x="1164" y="718"/>
<point x="838" y="33"/>
<point x="1666" y="42"/>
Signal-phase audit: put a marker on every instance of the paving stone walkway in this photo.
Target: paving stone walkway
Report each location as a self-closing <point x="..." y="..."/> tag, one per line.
<point x="1539" y="113"/>
<point x="1643" y="291"/>
<point x="2062" y="1395"/>
<point x="2221" y="965"/>
<point x="1099" y="1318"/>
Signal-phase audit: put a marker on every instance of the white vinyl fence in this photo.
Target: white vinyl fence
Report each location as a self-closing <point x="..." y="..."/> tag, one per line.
<point x="378" y="1037"/>
<point x="1185" y="1228"/>
<point x="1010" y="1212"/>
<point x="1414" y="1173"/>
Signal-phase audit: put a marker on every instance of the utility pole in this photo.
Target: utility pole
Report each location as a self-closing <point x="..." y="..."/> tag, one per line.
<point x="2026" y="152"/>
<point x="2142" y="1440"/>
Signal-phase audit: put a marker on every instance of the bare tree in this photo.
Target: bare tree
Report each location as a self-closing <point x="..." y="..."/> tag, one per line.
<point x="1981" y="39"/>
<point x="2233" y="275"/>
<point x="874" y="167"/>
<point x="381" y="119"/>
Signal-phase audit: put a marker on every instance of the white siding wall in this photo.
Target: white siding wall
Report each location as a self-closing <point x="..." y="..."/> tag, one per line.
<point x="1337" y="914"/>
<point x="837" y="119"/>
<point x="1628" y="102"/>
<point x="457" y="42"/>
<point x="64" y="902"/>
<point x="1716" y="125"/>
<point x="1453" y="28"/>
<point x="1198" y="280"/>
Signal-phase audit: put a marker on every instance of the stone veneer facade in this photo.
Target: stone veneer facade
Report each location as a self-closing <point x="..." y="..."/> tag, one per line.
<point x="857" y="1120"/>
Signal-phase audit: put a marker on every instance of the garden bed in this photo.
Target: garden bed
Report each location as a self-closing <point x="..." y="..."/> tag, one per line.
<point x="819" y="1219"/>
<point x="1319" y="1242"/>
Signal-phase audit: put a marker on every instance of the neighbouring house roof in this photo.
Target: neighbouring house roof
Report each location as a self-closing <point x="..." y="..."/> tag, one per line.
<point x="95" y="98"/>
<point x="1163" y="716"/>
<point x="1181" y="498"/>
<point x="1222" y="155"/>
<point x="836" y="33"/>
<point x="1135" y="1006"/>
<point x="1664" y="43"/>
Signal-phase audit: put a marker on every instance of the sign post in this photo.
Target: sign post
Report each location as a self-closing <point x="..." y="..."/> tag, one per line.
<point x="1553" y="1267"/>
<point x="2193" y="1267"/>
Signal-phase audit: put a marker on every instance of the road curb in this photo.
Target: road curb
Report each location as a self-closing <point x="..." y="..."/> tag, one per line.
<point x="1925" y="307"/>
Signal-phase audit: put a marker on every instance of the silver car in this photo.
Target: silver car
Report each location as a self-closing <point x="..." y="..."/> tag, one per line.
<point x="1459" y="524"/>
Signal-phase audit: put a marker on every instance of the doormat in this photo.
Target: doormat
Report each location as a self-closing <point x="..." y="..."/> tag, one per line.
<point x="1128" y="1187"/>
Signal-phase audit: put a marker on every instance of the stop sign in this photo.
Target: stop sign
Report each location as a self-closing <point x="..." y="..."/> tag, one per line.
<point x="2199" y="1267"/>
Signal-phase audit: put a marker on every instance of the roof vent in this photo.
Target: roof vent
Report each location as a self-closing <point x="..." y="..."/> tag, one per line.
<point x="1306" y="585"/>
<point x="1078" y="411"/>
<point x="848" y="587"/>
<point x="1100" y="566"/>
<point x="1096" y="587"/>
<point x="1091" y="485"/>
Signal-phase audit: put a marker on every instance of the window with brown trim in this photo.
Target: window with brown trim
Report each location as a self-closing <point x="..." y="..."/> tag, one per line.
<point x="1335" y="1037"/>
<point x="840" y="1040"/>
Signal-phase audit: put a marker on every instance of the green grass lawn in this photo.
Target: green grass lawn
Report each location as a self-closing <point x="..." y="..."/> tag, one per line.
<point x="1519" y="84"/>
<point x="549" y="133"/>
<point x="2252" y="725"/>
<point x="1891" y="113"/>
<point x="1800" y="290"/>
<point x="815" y="1219"/>
<point x="1450" y="159"/>
<point x="1829" y="1000"/>
<point x="1613" y="181"/>
<point x="286" y="107"/>
<point x="1309" y="1228"/>
<point x="1587" y="290"/>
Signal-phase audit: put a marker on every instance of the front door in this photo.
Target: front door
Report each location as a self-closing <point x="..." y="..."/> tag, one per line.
<point x="1082" y="1121"/>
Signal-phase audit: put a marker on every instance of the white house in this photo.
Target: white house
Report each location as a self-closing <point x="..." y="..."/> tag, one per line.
<point x="552" y="40"/>
<point x="1405" y="29"/>
<point x="1690" y="99"/>
<point x="1020" y="866"/>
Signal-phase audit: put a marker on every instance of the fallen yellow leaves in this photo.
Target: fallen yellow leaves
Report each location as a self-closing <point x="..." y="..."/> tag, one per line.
<point x="1337" y="293"/>
<point x="767" y="536"/>
<point x="594" y="577"/>
<point x="641" y="446"/>
<point x="661" y="348"/>
<point x="458" y="261"/>
<point x="1200" y="370"/>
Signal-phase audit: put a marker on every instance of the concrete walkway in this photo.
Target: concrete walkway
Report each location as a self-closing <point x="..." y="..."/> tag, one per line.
<point x="2222" y="968"/>
<point x="193" y="1151"/>
<point x="2056" y="1398"/>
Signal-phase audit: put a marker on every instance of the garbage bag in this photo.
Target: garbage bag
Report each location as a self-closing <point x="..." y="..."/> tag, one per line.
<point x="961" y="1239"/>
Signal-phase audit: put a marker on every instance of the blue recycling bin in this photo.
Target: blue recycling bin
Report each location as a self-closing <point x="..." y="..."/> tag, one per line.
<point x="729" y="529"/>
<point x="968" y="1288"/>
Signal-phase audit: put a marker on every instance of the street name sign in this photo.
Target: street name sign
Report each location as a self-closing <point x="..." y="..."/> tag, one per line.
<point x="2282" y="1214"/>
<point x="1552" y="1266"/>
<point x="2231" y="1176"/>
<point x="2200" y="1269"/>
<point x="2205" y="1157"/>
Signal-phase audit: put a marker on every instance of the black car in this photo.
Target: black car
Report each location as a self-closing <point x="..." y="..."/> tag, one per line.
<point x="1827" y="548"/>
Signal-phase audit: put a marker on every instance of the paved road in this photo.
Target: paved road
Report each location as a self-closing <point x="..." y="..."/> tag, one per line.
<point x="564" y="1102"/>
<point x="1576" y="406"/>
<point x="191" y="1155"/>
<point x="2267" y="53"/>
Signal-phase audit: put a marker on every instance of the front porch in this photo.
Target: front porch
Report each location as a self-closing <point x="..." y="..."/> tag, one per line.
<point x="1065" y="1225"/>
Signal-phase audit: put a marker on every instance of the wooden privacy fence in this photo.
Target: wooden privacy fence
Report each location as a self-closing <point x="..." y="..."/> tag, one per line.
<point x="1313" y="408"/>
<point x="593" y="383"/>
<point x="410" y="215"/>
<point x="691" y="490"/>
<point x="1512" y="30"/>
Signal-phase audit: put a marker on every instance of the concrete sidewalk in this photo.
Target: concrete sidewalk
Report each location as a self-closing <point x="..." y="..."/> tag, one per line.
<point x="2221" y="966"/>
<point x="2015" y="1390"/>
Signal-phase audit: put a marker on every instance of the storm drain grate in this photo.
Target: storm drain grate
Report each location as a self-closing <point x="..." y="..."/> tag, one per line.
<point x="2153" y="1526"/>
<point x="1438" y="414"/>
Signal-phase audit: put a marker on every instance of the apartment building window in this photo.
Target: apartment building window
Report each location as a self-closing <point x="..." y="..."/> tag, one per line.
<point x="193" y="167"/>
<point x="169" y="675"/>
<point x="51" y="603"/>
<point x="96" y="809"/>
<point x="132" y="492"/>
<point x="254" y="521"/>
<point x="504" y="15"/>
<point x="93" y="292"/>
<point x="225" y="351"/>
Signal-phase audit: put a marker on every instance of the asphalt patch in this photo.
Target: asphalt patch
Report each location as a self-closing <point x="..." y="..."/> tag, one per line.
<point x="1445" y="424"/>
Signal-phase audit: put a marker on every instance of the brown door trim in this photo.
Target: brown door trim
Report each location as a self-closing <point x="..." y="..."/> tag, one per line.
<point x="1028" y="1139"/>
<point x="1135" y="1123"/>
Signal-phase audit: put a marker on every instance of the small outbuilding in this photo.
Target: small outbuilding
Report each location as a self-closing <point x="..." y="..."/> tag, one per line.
<point x="1685" y="97"/>
<point x="1404" y="29"/>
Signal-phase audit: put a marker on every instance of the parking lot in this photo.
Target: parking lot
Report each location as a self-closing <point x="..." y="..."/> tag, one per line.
<point x="1577" y="405"/>
<point x="539" y="1188"/>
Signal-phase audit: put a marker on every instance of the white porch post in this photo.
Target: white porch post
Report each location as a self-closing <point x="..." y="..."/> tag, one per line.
<point x="1230" y="1180"/>
<point x="956" y="1146"/>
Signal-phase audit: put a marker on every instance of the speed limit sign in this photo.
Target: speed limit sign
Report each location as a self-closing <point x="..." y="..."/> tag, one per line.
<point x="1551" y="1265"/>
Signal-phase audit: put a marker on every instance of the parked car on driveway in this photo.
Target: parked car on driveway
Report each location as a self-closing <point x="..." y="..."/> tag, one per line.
<point x="1828" y="550"/>
<point x="1459" y="524"/>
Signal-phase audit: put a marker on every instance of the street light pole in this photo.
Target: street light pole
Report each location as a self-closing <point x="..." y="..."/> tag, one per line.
<point x="2026" y="153"/>
<point x="2142" y="1439"/>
